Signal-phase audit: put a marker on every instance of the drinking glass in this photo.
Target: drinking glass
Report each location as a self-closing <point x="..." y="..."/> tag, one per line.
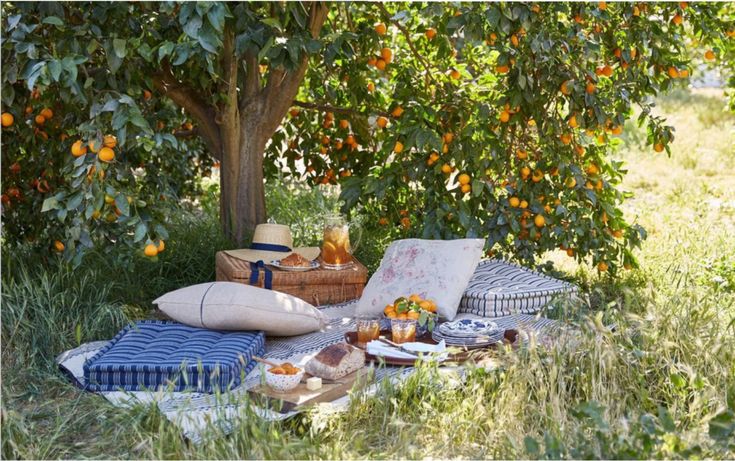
<point x="368" y="329"/>
<point x="403" y="331"/>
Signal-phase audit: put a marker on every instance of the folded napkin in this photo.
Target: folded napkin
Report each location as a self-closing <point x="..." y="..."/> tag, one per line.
<point x="426" y="351"/>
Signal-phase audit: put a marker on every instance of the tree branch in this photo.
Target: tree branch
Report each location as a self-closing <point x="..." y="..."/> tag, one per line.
<point x="283" y="85"/>
<point x="336" y="110"/>
<point x="252" y="76"/>
<point x="187" y="98"/>
<point x="407" y="35"/>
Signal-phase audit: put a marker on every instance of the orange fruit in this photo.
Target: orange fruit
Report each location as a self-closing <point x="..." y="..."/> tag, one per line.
<point x="59" y="246"/>
<point x="570" y="182"/>
<point x="521" y="154"/>
<point x="658" y="147"/>
<point x="383" y="221"/>
<point x="593" y="169"/>
<point x="465" y="188"/>
<point x="47" y="113"/>
<point x="382" y="122"/>
<point x="636" y="11"/>
<point x="502" y="69"/>
<point x="387" y="55"/>
<point x="573" y="121"/>
<point x="524" y="205"/>
<point x="709" y="55"/>
<point x="463" y="179"/>
<point x="398" y="148"/>
<point x="570" y="252"/>
<point x="673" y="72"/>
<point x="161" y="246"/>
<point x="381" y="28"/>
<point x="106" y="154"/>
<point x="602" y="266"/>
<point x="448" y="137"/>
<point x="7" y="119"/>
<point x="537" y="176"/>
<point x="590" y="88"/>
<point x="683" y="5"/>
<point x="350" y="140"/>
<point x="454" y="74"/>
<point x="397" y="111"/>
<point x="430" y="33"/>
<point x="413" y="315"/>
<point x="109" y="141"/>
<point x="514" y="202"/>
<point x="602" y="5"/>
<point x="617" y="233"/>
<point x="677" y="20"/>
<point x="525" y="172"/>
<point x="566" y="138"/>
<point x="151" y="250"/>
<point x="504" y="116"/>
<point x="40" y="119"/>
<point x="294" y="112"/>
<point x="380" y="64"/>
<point x="446" y="168"/>
<point x="684" y="73"/>
<point x="539" y="220"/>
<point x="372" y="61"/>
<point x="77" y="149"/>
<point x="370" y="87"/>
<point x="344" y="124"/>
<point x="607" y="71"/>
<point x="147" y="95"/>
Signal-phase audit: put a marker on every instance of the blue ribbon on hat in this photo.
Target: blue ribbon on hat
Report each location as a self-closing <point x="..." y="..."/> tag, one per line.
<point x="256" y="266"/>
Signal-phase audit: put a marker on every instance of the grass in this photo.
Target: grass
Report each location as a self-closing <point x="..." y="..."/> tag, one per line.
<point x="661" y="386"/>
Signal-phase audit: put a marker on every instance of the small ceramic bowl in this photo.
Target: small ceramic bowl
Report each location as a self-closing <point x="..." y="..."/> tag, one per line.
<point x="283" y="383"/>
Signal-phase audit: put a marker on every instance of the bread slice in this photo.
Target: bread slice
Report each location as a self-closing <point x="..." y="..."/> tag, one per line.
<point x="336" y="361"/>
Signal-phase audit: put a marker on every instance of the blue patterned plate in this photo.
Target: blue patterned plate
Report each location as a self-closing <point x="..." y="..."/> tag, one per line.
<point x="468" y="328"/>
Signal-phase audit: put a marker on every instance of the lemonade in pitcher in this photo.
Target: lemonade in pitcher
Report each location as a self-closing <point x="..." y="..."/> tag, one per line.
<point x="336" y="249"/>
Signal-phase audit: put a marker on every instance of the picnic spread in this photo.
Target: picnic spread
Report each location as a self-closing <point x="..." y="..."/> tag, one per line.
<point x="252" y="343"/>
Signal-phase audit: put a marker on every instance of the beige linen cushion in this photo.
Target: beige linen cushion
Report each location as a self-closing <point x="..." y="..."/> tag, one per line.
<point x="235" y="306"/>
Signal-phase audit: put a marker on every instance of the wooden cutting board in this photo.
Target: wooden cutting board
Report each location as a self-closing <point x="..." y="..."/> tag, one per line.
<point x="301" y="397"/>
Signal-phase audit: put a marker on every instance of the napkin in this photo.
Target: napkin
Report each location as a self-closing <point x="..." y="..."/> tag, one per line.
<point x="427" y="351"/>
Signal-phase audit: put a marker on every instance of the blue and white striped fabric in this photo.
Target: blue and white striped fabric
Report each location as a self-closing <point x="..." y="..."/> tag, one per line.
<point x="499" y="288"/>
<point x="154" y="354"/>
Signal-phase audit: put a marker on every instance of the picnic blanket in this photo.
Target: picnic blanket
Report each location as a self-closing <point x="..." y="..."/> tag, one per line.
<point x="195" y="413"/>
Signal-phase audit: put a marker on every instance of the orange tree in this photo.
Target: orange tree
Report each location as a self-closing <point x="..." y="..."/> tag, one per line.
<point x="438" y="120"/>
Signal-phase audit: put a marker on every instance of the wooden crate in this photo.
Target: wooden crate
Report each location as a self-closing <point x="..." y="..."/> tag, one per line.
<point x="318" y="287"/>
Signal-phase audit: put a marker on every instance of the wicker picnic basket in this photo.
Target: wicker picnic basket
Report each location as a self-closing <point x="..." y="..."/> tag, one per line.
<point x="318" y="287"/>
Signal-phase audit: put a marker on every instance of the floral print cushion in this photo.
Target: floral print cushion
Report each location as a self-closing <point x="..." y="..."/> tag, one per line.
<point x="434" y="269"/>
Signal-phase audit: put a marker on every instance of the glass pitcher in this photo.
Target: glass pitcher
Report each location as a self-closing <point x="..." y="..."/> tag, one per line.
<point x="336" y="248"/>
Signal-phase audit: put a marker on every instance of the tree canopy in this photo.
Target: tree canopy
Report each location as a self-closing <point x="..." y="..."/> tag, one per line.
<point x="438" y="120"/>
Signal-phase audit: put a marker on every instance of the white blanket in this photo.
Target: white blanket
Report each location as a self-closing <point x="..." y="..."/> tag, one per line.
<point x="195" y="412"/>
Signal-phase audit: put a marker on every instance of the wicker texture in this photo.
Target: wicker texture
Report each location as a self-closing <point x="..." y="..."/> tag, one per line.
<point x="318" y="287"/>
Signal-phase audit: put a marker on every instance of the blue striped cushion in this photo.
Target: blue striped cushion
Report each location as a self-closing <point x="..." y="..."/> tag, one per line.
<point x="154" y="354"/>
<point x="499" y="288"/>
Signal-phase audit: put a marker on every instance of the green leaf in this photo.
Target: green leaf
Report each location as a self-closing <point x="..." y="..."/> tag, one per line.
<point x="53" y="20"/>
<point x="54" y="68"/>
<point x="477" y="186"/>
<point x="140" y="231"/>
<point x="121" y="202"/>
<point x="49" y="204"/>
<point x="118" y="45"/>
<point x="164" y="50"/>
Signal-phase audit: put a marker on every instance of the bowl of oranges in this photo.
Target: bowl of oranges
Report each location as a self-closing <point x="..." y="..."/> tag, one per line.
<point x="284" y="377"/>
<point x="414" y="307"/>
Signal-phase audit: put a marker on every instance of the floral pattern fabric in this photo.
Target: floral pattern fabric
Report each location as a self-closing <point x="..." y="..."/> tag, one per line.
<point x="434" y="269"/>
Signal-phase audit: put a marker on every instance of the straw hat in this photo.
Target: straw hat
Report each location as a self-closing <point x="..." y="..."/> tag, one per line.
<point x="272" y="241"/>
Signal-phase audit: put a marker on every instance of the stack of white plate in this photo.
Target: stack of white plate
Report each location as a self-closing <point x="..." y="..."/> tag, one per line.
<point x="472" y="333"/>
